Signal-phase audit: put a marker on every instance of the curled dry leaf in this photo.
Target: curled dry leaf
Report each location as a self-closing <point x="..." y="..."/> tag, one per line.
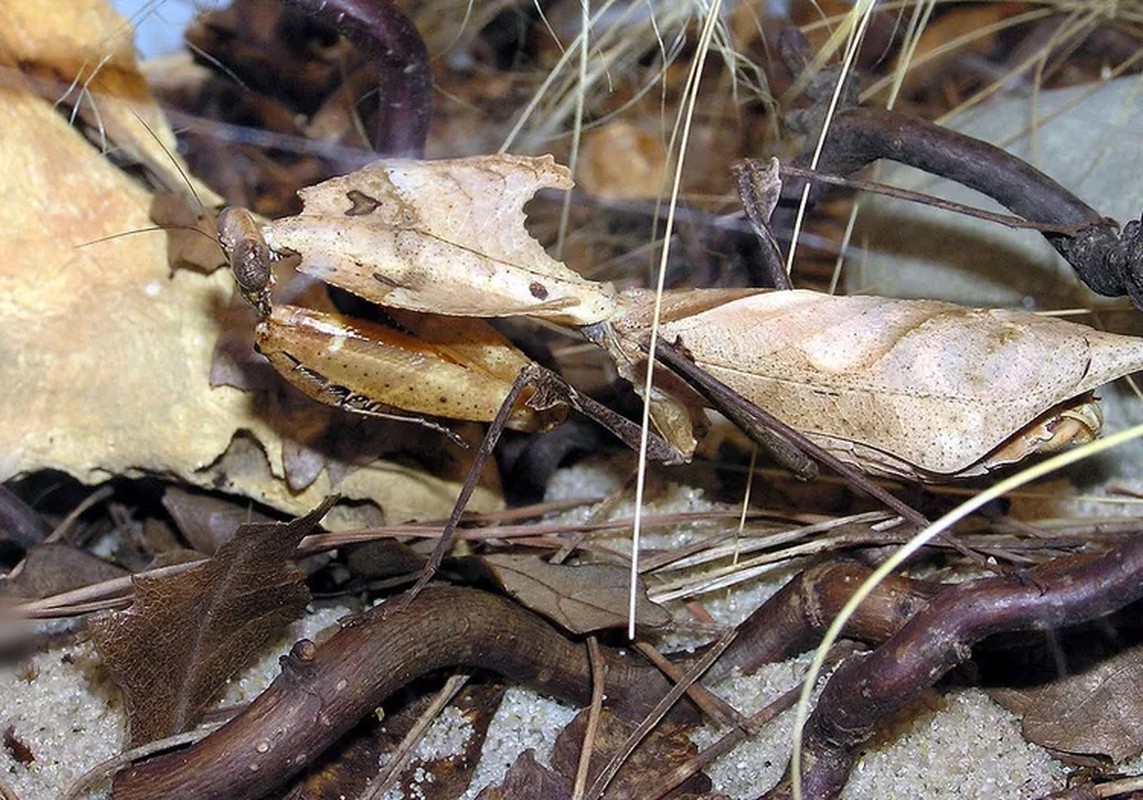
<point x="81" y="54"/>
<point x="106" y="354"/>
<point x="55" y="567"/>
<point x="581" y="599"/>
<point x="185" y="635"/>
<point x="206" y="520"/>
<point x="528" y="779"/>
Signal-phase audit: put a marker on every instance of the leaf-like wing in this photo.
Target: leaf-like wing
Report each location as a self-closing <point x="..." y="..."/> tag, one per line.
<point x="446" y="237"/>
<point x="918" y="388"/>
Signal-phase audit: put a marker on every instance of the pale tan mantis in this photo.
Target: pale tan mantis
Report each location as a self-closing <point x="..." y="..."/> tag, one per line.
<point x="917" y="389"/>
<point x="391" y="235"/>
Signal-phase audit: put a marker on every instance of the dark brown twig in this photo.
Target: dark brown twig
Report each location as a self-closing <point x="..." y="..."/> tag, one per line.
<point x="1007" y="220"/>
<point x="1108" y="260"/>
<point x="696" y="670"/>
<point x="323" y="691"/>
<point x="385" y="648"/>
<point x="795" y="618"/>
<point x="387" y="36"/>
<point x="867" y="689"/>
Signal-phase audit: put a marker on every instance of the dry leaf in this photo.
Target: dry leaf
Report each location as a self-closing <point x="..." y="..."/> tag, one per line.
<point x="440" y="236"/>
<point x="637" y="175"/>
<point x="666" y="747"/>
<point x="21" y="751"/>
<point x="581" y="599"/>
<point x="105" y="358"/>
<point x="207" y="521"/>
<point x="527" y="779"/>
<point x="915" y="388"/>
<point x="55" y="567"/>
<point x="81" y="54"/>
<point x="1098" y="711"/>
<point x="185" y="635"/>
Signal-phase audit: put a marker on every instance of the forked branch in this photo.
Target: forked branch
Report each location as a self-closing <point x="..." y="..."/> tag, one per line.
<point x="1109" y="260"/>
<point x="868" y="688"/>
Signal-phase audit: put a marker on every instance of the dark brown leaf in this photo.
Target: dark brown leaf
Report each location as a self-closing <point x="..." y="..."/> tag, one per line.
<point x="184" y="636"/>
<point x="528" y="780"/>
<point x="383" y="558"/>
<point x="582" y="599"/>
<point x="205" y="520"/>
<point x="17" y="747"/>
<point x="666" y="747"/>
<point x="58" y="567"/>
<point x="1095" y="712"/>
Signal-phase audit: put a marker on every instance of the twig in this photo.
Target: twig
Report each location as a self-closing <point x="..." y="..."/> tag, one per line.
<point x="323" y="691"/>
<point x="598" y="676"/>
<point x="708" y="702"/>
<point x="664" y="783"/>
<point x="794" y="619"/>
<point x="405" y="82"/>
<point x="1109" y="261"/>
<point x="867" y="689"/>
<point x="104" y="771"/>
<point x="404" y="750"/>
<point x="599" y="785"/>
<point x="7" y="792"/>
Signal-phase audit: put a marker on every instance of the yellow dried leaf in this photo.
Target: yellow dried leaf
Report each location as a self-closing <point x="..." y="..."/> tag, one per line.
<point x="106" y="356"/>
<point x="621" y="161"/>
<point x="82" y="54"/>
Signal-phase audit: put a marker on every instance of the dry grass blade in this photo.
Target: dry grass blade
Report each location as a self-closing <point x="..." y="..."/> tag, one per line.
<point x="599" y="785"/>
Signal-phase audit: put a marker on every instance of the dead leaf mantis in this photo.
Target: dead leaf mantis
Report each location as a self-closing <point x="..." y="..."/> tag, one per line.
<point x="917" y="389"/>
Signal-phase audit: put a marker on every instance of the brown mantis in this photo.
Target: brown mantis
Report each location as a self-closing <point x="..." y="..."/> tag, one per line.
<point x="917" y="389"/>
<point x="966" y="390"/>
